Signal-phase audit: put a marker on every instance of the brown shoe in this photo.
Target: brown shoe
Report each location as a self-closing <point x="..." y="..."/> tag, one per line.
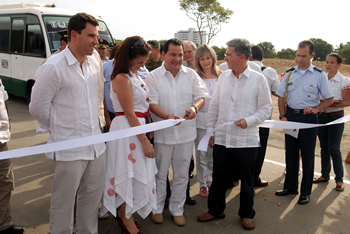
<point x="339" y="187"/>
<point x="179" y="220"/>
<point x="320" y="180"/>
<point x="347" y="160"/>
<point x="262" y="184"/>
<point x="206" y="217"/>
<point x="248" y="224"/>
<point x="157" y="218"/>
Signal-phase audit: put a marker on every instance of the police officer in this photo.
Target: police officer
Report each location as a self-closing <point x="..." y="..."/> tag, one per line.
<point x="154" y="61"/>
<point x="300" y="89"/>
<point x="110" y="47"/>
<point x="103" y="48"/>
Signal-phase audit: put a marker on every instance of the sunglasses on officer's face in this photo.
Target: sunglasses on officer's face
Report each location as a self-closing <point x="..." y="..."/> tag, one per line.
<point x="138" y="44"/>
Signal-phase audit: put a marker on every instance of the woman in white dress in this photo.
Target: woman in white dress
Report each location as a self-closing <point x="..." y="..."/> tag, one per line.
<point x="130" y="168"/>
<point x="205" y="62"/>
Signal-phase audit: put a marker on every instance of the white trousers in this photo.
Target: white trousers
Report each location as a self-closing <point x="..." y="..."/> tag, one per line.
<point x="204" y="161"/>
<point x="180" y="156"/>
<point x="83" y="179"/>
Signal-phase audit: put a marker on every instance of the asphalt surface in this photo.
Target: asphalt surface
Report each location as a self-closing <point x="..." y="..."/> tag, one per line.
<point x="327" y="212"/>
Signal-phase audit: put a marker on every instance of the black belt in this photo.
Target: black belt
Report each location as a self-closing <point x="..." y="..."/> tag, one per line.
<point x="295" y="111"/>
<point x="324" y="114"/>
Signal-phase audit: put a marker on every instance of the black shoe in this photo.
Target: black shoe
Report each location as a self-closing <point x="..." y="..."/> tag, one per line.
<point x="285" y="192"/>
<point x="304" y="199"/>
<point x="14" y="229"/>
<point x="190" y="201"/>
<point x="191" y="175"/>
<point x="166" y="204"/>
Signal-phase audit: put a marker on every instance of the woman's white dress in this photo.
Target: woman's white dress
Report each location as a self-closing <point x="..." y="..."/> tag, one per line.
<point x="130" y="176"/>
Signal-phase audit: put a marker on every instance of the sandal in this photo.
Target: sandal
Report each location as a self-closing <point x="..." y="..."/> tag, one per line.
<point x="339" y="187"/>
<point x="320" y="180"/>
<point x="117" y="218"/>
<point x="203" y="192"/>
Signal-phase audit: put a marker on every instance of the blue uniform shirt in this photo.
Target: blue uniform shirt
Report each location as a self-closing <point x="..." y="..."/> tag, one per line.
<point x="107" y="72"/>
<point x="304" y="89"/>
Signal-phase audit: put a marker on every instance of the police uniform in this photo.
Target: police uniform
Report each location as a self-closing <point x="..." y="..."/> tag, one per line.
<point x="103" y="44"/>
<point x="304" y="88"/>
<point x="151" y="65"/>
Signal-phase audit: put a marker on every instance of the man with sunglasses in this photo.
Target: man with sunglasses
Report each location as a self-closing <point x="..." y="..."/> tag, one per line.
<point x="175" y="92"/>
<point x="64" y="101"/>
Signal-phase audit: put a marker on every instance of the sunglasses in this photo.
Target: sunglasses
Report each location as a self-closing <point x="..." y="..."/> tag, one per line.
<point x="138" y="44"/>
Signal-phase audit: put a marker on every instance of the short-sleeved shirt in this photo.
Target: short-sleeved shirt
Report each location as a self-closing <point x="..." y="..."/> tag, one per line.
<point x="107" y="72"/>
<point x="175" y="95"/>
<point x="304" y="89"/>
<point x="338" y="83"/>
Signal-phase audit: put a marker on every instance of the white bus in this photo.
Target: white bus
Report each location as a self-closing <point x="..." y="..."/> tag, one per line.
<point x="27" y="37"/>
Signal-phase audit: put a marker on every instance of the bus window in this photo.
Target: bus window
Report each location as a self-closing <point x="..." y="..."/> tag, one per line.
<point x="103" y="31"/>
<point x="35" y="45"/>
<point x="5" y="25"/>
<point x="53" y="25"/>
<point x="17" y="36"/>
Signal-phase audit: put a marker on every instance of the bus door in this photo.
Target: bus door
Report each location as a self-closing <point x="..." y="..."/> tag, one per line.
<point x="16" y="56"/>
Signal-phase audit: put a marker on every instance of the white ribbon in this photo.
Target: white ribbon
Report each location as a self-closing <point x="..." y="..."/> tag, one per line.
<point x="203" y="144"/>
<point x="90" y="140"/>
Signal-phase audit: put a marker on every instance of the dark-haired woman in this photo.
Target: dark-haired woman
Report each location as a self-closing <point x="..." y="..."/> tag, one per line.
<point x="330" y="136"/>
<point x="130" y="168"/>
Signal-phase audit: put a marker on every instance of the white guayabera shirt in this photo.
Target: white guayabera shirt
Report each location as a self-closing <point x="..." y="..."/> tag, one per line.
<point x="64" y="101"/>
<point x="233" y="99"/>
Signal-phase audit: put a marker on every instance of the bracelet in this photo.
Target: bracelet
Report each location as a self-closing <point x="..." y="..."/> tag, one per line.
<point x="315" y="110"/>
<point x="145" y="137"/>
<point x="166" y="117"/>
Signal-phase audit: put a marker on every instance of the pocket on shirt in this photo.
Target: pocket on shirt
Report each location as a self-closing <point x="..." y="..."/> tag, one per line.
<point x="311" y="92"/>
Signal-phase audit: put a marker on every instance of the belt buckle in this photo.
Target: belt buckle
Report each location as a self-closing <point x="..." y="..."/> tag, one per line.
<point x="296" y="111"/>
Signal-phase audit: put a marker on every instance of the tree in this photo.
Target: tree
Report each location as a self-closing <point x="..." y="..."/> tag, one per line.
<point x="341" y="47"/>
<point x="221" y="53"/>
<point x="286" y="54"/>
<point x="117" y="41"/>
<point x="268" y="48"/>
<point x="346" y="54"/>
<point x="322" y="49"/>
<point x="208" y="14"/>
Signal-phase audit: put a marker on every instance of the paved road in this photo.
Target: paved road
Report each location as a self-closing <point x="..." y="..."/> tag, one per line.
<point x="328" y="211"/>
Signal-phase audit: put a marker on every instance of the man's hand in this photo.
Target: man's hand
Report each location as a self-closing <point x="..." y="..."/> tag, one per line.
<point x="241" y="123"/>
<point x="310" y="110"/>
<point x="172" y="116"/>
<point x="190" y="113"/>
<point x="211" y="142"/>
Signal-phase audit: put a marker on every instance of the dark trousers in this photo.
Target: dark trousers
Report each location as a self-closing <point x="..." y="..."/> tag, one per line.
<point x="306" y="142"/>
<point x="330" y="139"/>
<point x="264" y="136"/>
<point x="243" y="162"/>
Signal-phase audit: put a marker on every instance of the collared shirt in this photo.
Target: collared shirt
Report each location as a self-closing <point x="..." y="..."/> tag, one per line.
<point x="235" y="98"/>
<point x="186" y="64"/>
<point x="107" y="72"/>
<point x="64" y="101"/>
<point x="253" y="66"/>
<point x="304" y="89"/>
<point x="175" y="95"/>
<point x="271" y="77"/>
<point x="4" y="119"/>
<point x="338" y="83"/>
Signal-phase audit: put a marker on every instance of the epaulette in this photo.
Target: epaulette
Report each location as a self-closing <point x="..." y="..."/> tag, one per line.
<point x="291" y="69"/>
<point x="318" y="69"/>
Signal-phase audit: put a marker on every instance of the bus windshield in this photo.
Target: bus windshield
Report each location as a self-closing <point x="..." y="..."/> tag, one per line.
<point x="58" y="23"/>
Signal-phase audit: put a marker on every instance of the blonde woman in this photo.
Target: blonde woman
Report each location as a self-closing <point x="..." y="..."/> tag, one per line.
<point x="205" y="62"/>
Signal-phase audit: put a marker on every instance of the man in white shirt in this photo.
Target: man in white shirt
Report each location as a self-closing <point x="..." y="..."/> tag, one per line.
<point x="253" y="66"/>
<point x="241" y="95"/>
<point x="174" y="91"/>
<point x="7" y="182"/>
<point x="64" y="101"/>
<point x="273" y="82"/>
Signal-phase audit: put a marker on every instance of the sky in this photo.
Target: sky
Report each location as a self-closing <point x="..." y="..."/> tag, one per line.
<point x="283" y="23"/>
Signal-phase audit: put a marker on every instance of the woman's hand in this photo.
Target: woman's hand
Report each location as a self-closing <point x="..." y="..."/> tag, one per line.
<point x="147" y="148"/>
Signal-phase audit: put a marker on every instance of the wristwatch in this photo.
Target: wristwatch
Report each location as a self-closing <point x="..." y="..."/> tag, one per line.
<point x="196" y="108"/>
<point x="282" y="115"/>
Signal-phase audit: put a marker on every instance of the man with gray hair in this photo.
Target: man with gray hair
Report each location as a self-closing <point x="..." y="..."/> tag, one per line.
<point x="241" y="95"/>
<point x="189" y="51"/>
